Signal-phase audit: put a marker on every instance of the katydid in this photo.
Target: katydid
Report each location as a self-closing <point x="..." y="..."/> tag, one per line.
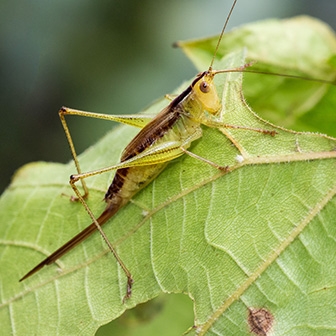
<point x="162" y="139"/>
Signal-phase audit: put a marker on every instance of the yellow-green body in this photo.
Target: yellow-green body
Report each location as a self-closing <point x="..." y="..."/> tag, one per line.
<point x="163" y="139"/>
<point x="175" y="127"/>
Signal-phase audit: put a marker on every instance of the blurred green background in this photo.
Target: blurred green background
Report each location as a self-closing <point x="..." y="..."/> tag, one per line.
<point x="102" y="56"/>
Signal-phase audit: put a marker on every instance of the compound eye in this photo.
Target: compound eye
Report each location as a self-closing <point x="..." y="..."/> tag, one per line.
<point x="204" y="87"/>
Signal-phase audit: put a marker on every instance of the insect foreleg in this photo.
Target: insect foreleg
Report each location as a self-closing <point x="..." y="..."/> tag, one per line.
<point x="219" y="124"/>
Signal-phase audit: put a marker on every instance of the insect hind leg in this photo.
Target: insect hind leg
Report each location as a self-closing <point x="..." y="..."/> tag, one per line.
<point x="133" y="120"/>
<point x="128" y="274"/>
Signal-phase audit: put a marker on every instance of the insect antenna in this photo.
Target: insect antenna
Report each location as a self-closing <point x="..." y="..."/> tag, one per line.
<point x="317" y="80"/>
<point x="221" y="34"/>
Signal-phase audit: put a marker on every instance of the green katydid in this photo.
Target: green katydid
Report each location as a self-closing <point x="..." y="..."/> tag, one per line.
<point x="162" y="139"/>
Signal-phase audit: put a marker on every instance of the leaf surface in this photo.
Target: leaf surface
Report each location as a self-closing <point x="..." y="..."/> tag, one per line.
<point x="261" y="236"/>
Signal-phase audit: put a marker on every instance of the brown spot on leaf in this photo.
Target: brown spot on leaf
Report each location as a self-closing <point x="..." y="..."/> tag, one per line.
<point x="260" y="321"/>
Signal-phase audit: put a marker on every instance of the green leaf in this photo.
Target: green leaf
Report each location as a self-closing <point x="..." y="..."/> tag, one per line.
<point x="301" y="46"/>
<point x="259" y="239"/>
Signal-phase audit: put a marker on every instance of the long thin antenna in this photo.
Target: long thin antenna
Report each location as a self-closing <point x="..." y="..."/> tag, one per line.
<point x="222" y="33"/>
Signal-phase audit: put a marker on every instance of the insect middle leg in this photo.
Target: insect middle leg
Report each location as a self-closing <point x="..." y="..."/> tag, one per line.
<point x="200" y="158"/>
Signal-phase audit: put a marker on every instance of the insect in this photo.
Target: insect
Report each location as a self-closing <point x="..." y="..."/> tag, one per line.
<point x="166" y="137"/>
